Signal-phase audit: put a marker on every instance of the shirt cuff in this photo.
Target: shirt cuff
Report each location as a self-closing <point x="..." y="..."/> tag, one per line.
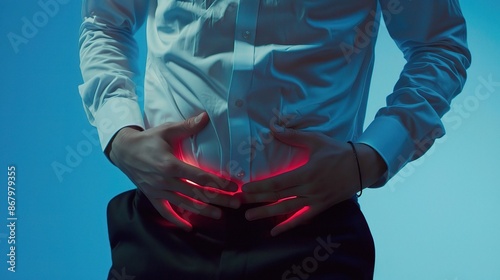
<point x="392" y="141"/>
<point x="115" y="114"/>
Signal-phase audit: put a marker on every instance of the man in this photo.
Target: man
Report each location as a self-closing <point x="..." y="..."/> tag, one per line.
<point x="251" y="148"/>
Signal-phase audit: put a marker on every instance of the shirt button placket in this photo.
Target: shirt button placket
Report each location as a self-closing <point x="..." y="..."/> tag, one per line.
<point x="244" y="51"/>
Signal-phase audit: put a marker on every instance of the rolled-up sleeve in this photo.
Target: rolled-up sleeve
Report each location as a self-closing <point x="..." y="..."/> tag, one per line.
<point x="432" y="36"/>
<point x="108" y="62"/>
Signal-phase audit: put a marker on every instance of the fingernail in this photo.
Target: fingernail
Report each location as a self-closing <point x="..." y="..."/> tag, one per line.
<point x="198" y="118"/>
<point x="248" y="215"/>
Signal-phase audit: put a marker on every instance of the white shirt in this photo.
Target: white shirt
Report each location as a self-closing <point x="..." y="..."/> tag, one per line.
<point x="249" y="63"/>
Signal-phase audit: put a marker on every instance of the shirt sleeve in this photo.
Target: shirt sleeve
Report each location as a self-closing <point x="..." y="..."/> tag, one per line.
<point x="432" y="36"/>
<point x="108" y="62"/>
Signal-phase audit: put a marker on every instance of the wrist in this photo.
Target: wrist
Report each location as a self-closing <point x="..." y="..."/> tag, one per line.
<point x="371" y="164"/>
<point x="119" y="137"/>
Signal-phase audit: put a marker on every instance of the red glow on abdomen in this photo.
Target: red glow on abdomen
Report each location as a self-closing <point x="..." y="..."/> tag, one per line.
<point x="191" y="161"/>
<point x="301" y="158"/>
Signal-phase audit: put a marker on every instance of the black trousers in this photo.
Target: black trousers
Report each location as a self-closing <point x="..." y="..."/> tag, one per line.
<point x="334" y="245"/>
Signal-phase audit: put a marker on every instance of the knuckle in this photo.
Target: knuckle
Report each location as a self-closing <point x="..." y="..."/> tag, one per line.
<point x="211" y="184"/>
<point x="207" y="180"/>
<point x="165" y="127"/>
<point x="170" y="167"/>
<point x="217" y="181"/>
<point x="194" y="210"/>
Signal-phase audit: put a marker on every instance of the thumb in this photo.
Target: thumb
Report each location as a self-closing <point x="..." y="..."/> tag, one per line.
<point x="183" y="129"/>
<point x="293" y="137"/>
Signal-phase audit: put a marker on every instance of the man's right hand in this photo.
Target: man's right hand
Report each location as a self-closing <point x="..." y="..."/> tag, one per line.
<point x="148" y="159"/>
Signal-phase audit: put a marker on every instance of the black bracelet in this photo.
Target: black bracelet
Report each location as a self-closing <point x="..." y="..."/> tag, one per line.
<point x="359" y="168"/>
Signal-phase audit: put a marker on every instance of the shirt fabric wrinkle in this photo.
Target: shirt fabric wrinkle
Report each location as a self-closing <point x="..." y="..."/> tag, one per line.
<point x="247" y="61"/>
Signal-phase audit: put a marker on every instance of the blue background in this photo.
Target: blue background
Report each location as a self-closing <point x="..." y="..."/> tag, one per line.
<point x="437" y="219"/>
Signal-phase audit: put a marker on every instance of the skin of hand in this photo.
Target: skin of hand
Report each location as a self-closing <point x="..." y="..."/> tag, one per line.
<point x="148" y="159"/>
<point x="330" y="176"/>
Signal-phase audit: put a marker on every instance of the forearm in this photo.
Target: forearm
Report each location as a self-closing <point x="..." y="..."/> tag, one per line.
<point x="437" y="58"/>
<point x="108" y="55"/>
<point x="122" y="132"/>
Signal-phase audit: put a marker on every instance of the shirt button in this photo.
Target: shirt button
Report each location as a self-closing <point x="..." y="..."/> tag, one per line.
<point x="246" y="34"/>
<point x="239" y="103"/>
<point x="241" y="174"/>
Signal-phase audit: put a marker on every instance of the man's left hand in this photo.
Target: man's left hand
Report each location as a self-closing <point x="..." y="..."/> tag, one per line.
<point x="330" y="176"/>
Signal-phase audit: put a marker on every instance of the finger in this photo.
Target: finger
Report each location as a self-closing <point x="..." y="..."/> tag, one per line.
<point x="166" y="211"/>
<point x="301" y="216"/>
<point x="183" y="129"/>
<point x="279" y="182"/>
<point x="210" y="195"/>
<point x="294" y="137"/>
<point x="275" y="209"/>
<point x="246" y="198"/>
<point x="267" y="196"/>
<point x="192" y="205"/>
<point x="203" y="194"/>
<point x="180" y="169"/>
